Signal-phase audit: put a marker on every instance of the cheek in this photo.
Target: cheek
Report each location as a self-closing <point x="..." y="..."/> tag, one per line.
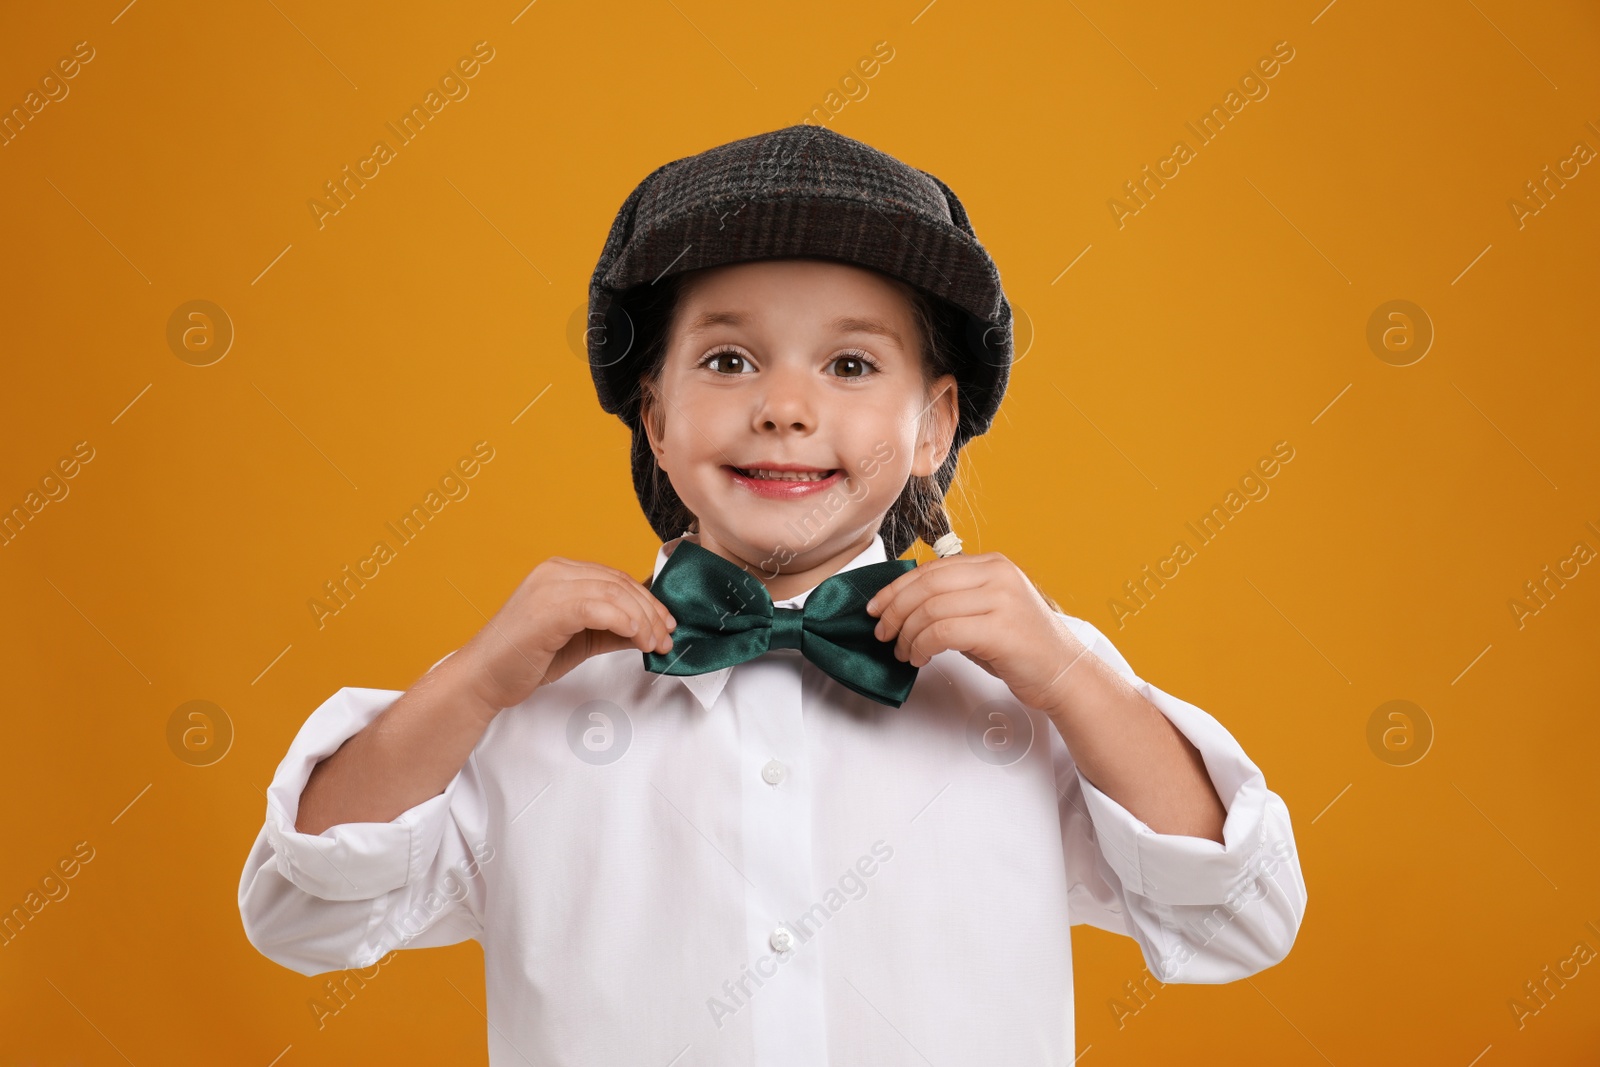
<point x="699" y="424"/>
<point x="698" y="434"/>
<point x="881" y="466"/>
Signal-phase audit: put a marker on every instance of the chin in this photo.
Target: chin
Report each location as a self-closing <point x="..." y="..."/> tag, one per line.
<point x="769" y="548"/>
<point x="789" y="544"/>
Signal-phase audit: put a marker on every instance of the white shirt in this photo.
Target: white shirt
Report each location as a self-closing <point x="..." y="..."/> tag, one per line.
<point x="918" y="867"/>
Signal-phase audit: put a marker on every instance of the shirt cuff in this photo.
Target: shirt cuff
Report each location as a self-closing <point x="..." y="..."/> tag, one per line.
<point x="1176" y="869"/>
<point x="349" y="861"/>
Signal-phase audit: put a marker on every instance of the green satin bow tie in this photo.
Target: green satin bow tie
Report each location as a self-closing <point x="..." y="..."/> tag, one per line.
<point x="725" y="616"/>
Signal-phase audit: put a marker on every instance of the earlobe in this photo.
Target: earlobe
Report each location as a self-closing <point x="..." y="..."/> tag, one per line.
<point x="935" y="461"/>
<point x="931" y="456"/>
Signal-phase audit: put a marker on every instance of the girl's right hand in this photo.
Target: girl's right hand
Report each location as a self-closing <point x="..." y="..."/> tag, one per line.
<point x="563" y="612"/>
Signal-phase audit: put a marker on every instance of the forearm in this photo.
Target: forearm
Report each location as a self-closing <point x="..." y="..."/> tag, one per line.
<point x="405" y="756"/>
<point x="1131" y="752"/>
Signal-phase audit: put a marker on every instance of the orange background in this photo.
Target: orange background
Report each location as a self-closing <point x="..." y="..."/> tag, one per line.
<point x="1228" y="314"/>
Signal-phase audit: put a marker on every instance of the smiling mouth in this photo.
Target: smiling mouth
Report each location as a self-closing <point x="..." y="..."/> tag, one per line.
<point x="785" y="476"/>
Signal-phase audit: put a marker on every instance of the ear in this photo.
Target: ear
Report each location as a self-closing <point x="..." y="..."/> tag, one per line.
<point x="646" y="409"/>
<point x="939" y="427"/>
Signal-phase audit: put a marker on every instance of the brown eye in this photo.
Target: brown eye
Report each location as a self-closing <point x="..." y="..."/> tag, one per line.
<point x="740" y="368"/>
<point x="855" y="366"/>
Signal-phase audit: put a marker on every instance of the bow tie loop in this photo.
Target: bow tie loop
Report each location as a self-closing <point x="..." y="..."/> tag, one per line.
<point x="788" y="628"/>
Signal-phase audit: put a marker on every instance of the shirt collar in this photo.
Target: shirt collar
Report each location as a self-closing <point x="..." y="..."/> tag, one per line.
<point x="707" y="687"/>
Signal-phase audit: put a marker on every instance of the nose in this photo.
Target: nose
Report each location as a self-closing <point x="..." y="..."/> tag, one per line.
<point x="787" y="401"/>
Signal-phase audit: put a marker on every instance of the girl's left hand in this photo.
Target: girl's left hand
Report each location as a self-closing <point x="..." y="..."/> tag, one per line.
<point x="984" y="607"/>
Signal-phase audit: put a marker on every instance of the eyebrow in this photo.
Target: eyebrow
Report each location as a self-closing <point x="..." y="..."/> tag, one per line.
<point x="850" y="324"/>
<point x="714" y="318"/>
<point x="843" y="324"/>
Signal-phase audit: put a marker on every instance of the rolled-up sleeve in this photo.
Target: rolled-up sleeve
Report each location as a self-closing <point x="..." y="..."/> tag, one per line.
<point x="1202" y="912"/>
<point x="347" y="896"/>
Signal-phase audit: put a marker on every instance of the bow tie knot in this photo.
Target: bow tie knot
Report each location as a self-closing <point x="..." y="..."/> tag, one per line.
<point x="788" y="627"/>
<point x="726" y="617"/>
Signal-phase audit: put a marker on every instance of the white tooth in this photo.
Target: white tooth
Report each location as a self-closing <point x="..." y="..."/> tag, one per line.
<point x="788" y="476"/>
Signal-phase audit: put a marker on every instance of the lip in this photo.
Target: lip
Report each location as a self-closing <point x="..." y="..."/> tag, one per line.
<point x="774" y="490"/>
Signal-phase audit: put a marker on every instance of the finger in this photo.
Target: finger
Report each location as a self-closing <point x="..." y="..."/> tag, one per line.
<point x="655" y="613"/>
<point x="642" y="587"/>
<point x="637" y="621"/>
<point x="955" y="604"/>
<point x="919" y="587"/>
<point x="610" y="621"/>
<point x="979" y="600"/>
<point x="882" y="598"/>
<point x="588" y="570"/>
<point x="958" y="633"/>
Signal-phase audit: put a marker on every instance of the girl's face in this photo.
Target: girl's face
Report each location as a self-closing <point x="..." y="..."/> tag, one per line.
<point x="796" y="363"/>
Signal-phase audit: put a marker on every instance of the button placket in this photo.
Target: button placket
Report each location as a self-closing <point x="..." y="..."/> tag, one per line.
<point x="786" y="998"/>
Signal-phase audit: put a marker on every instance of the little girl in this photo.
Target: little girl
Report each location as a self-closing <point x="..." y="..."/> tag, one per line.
<point x="793" y="799"/>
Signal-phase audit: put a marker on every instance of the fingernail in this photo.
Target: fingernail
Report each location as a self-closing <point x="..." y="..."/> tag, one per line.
<point x="872" y="606"/>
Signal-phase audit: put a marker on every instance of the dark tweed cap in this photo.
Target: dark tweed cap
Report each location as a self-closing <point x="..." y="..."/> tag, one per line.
<point x="799" y="191"/>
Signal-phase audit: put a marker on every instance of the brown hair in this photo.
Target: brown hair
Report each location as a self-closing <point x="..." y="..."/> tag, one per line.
<point x="918" y="513"/>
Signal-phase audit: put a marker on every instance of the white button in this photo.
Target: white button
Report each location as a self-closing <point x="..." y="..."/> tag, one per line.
<point x="781" y="940"/>
<point x="773" y="772"/>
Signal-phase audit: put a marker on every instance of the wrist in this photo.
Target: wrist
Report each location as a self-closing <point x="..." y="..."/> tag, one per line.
<point x="466" y="682"/>
<point x="1066" y="690"/>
